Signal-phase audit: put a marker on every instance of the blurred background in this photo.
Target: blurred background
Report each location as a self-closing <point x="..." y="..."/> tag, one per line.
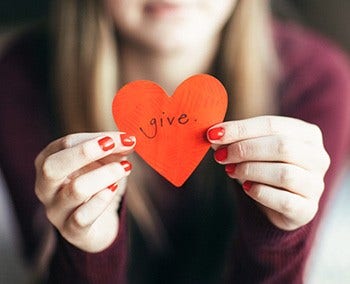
<point x="330" y="262"/>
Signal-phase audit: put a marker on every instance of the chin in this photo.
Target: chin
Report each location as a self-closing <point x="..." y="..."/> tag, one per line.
<point x="175" y="40"/>
<point x="168" y="46"/>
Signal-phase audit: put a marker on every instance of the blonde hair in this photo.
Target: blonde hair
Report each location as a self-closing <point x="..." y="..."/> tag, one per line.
<point x="250" y="65"/>
<point x="86" y="76"/>
<point x="86" y="73"/>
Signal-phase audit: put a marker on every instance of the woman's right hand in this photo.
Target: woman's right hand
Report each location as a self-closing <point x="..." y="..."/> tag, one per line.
<point x="81" y="179"/>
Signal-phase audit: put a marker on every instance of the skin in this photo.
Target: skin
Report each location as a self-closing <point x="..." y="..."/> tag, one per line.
<point x="168" y="43"/>
<point x="169" y="26"/>
<point x="286" y="161"/>
<point x="283" y="157"/>
<point x="73" y="175"/>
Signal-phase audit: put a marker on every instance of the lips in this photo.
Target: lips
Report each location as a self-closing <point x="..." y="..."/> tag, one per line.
<point x="162" y="9"/>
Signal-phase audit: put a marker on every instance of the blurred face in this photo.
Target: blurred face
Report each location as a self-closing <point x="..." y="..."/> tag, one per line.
<point x="168" y="25"/>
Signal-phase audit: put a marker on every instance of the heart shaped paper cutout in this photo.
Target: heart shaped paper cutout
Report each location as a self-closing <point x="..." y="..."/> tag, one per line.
<point x="170" y="131"/>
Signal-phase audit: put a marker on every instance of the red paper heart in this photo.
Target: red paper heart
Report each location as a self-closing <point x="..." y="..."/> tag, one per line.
<point x="171" y="130"/>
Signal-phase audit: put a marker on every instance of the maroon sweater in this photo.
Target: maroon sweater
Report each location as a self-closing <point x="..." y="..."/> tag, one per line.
<point x="216" y="236"/>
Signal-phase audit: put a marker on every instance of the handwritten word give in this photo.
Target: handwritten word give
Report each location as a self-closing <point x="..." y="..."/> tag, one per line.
<point x="170" y="130"/>
<point x="164" y="121"/>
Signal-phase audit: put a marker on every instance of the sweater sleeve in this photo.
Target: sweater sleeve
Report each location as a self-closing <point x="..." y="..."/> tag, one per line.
<point x="24" y="131"/>
<point x="71" y="265"/>
<point x="26" y="127"/>
<point x="316" y="89"/>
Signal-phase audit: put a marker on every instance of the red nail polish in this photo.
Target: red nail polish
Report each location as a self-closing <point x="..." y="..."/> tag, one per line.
<point x="126" y="165"/>
<point x="220" y="154"/>
<point x="106" y="143"/>
<point x="247" y="185"/>
<point x="230" y="168"/>
<point x="127" y="140"/>
<point x="216" y="133"/>
<point x="113" y="187"/>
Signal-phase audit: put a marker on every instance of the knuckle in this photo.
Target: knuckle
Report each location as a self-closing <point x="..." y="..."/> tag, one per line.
<point x="115" y="171"/>
<point x="67" y="141"/>
<point x="319" y="187"/>
<point x="103" y="198"/>
<point x="288" y="207"/>
<point x="48" y="170"/>
<point x="313" y="209"/>
<point x="241" y="150"/>
<point x="271" y="124"/>
<point x="321" y="184"/>
<point x="79" y="220"/>
<point x="283" y="148"/>
<point x="76" y="192"/>
<point x="287" y="177"/>
<point x="316" y="131"/>
<point x="39" y="194"/>
<point x="327" y="161"/>
<point x="51" y="215"/>
<point x="37" y="161"/>
<point x="258" y="192"/>
<point x="85" y="152"/>
<point x="245" y="170"/>
<point x="241" y="129"/>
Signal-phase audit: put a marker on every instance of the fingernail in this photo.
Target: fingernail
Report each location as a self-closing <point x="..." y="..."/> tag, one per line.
<point x="247" y="185"/>
<point x="216" y="133"/>
<point x="106" y="143"/>
<point x="220" y="154"/>
<point x="113" y="187"/>
<point x="126" y="165"/>
<point x="230" y="168"/>
<point x="127" y="140"/>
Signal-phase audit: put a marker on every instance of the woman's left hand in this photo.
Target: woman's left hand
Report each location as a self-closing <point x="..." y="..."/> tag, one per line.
<point x="281" y="162"/>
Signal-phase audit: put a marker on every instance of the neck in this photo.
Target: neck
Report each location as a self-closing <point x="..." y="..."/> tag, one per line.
<point x="168" y="69"/>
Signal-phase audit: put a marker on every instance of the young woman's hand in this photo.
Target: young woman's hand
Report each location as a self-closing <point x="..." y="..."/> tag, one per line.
<point x="81" y="179"/>
<point x="281" y="162"/>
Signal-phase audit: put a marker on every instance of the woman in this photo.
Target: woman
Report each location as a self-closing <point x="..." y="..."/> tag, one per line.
<point x="211" y="230"/>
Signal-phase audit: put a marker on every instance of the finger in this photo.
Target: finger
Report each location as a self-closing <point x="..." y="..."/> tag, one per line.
<point x="294" y="208"/>
<point x="72" y="140"/>
<point x="83" y="188"/>
<point x="280" y="175"/>
<point x="103" y="226"/>
<point x="85" y="215"/>
<point x="233" y="131"/>
<point x="271" y="148"/>
<point x="56" y="167"/>
<point x="63" y="143"/>
<point x="60" y="164"/>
